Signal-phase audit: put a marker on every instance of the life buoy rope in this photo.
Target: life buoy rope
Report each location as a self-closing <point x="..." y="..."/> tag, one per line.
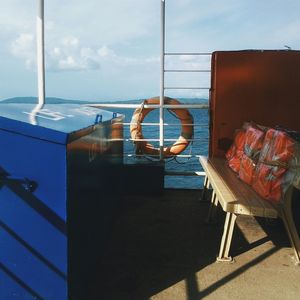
<point x="187" y="129"/>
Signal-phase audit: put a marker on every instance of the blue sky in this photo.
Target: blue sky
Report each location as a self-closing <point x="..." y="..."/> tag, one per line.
<point x="109" y="50"/>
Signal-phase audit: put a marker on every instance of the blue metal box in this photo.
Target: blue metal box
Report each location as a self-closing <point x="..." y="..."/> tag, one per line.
<point x="54" y="170"/>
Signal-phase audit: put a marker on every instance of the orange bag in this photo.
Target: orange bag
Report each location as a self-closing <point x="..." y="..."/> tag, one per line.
<point x="235" y="151"/>
<point x="247" y="169"/>
<point x="271" y="177"/>
<point x="254" y="137"/>
<point x="269" y="181"/>
<point x="278" y="147"/>
<point x="253" y="141"/>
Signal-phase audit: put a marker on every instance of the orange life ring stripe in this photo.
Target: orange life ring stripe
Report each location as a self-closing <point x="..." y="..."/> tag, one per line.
<point x="187" y="129"/>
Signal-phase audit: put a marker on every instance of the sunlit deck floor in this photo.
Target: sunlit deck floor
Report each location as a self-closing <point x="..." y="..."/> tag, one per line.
<point x="161" y="248"/>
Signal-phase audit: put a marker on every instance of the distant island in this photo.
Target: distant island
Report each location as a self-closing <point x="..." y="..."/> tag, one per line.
<point x="53" y="100"/>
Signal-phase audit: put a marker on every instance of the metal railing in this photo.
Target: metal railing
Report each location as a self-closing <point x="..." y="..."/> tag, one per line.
<point x="163" y="70"/>
<point x="161" y="106"/>
<point x="198" y="139"/>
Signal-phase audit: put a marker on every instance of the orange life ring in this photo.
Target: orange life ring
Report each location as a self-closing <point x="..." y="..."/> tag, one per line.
<point x="187" y="129"/>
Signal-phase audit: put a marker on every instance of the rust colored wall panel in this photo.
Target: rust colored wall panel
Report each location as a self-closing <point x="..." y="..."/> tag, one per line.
<point x="259" y="86"/>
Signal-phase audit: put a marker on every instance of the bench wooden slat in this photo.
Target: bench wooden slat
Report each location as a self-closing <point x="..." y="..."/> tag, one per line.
<point x="238" y="198"/>
<point x="243" y="192"/>
<point x="244" y="202"/>
<point x="234" y="195"/>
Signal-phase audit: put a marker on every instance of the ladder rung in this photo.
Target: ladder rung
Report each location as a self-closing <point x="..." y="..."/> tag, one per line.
<point x="186" y="53"/>
<point x="204" y="71"/>
<point x="154" y="106"/>
<point x="203" y="140"/>
<point x="185" y="173"/>
<point x="186" y="88"/>
<point x="156" y="155"/>
<point x="165" y="124"/>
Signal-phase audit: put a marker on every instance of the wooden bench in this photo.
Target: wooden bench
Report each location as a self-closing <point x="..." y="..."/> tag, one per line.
<point x="238" y="198"/>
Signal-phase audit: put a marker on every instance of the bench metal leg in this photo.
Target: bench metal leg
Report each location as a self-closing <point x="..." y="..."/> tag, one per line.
<point x="288" y="220"/>
<point x="205" y="188"/>
<point x="227" y="237"/>
<point x="212" y="208"/>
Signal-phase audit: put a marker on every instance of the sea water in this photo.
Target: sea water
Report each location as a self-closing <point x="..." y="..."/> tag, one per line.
<point x="172" y="131"/>
<point x="180" y="164"/>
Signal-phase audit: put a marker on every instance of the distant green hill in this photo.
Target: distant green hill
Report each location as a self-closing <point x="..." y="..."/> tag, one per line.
<point x="50" y="100"/>
<point x="53" y="100"/>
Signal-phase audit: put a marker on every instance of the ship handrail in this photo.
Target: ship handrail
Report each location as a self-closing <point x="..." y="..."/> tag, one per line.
<point x="178" y="106"/>
<point x="189" y="53"/>
<point x="187" y="173"/>
<point x="186" y="88"/>
<point x="187" y="70"/>
<point x="156" y="155"/>
<point x="167" y="140"/>
<point x="161" y="106"/>
<point x="154" y="106"/>
<point x="166" y="124"/>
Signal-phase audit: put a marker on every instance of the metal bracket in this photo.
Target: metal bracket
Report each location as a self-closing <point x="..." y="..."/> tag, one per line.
<point x="27" y="184"/>
<point x="225" y="259"/>
<point x="98" y="119"/>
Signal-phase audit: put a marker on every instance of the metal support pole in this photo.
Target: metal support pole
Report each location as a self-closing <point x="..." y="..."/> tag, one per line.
<point x="162" y="82"/>
<point x="40" y="52"/>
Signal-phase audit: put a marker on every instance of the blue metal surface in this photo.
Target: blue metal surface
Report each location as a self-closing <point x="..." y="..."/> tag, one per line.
<point x="12" y="291"/>
<point x="52" y="122"/>
<point x="37" y="238"/>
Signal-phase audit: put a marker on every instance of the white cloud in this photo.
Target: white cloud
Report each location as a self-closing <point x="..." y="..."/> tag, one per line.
<point x="104" y="51"/>
<point x="23" y="47"/>
<point x="70" y="42"/>
<point x="288" y="35"/>
<point x="120" y="40"/>
<point x="70" y="55"/>
<point x="103" y="22"/>
<point x="188" y="62"/>
<point x="67" y="55"/>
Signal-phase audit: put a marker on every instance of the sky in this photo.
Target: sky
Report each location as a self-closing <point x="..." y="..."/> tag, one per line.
<point x="104" y="50"/>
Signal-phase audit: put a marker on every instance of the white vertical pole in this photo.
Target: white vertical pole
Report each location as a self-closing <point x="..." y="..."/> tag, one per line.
<point x="40" y="52"/>
<point x="162" y="82"/>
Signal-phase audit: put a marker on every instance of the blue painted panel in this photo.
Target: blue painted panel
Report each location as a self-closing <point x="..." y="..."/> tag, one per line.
<point x="25" y="267"/>
<point x="39" y="161"/>
<point x="35" y="231"/>
<point x="11" y="288"/>
<point x="35" y="222"/>
<point x="51" y="122"/>
<point x="39" y="257"/>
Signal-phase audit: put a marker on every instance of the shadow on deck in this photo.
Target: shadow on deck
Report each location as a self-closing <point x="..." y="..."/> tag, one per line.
<point x="162" y="248"/>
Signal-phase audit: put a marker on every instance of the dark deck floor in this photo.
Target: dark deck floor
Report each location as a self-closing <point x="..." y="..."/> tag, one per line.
<point x="162" y="248"/>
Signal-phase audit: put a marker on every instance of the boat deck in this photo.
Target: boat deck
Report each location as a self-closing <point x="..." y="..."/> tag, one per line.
<point x="161" y="248"/>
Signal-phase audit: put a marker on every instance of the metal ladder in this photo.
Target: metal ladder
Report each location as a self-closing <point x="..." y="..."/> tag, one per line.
<point x="163" y="70"/>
